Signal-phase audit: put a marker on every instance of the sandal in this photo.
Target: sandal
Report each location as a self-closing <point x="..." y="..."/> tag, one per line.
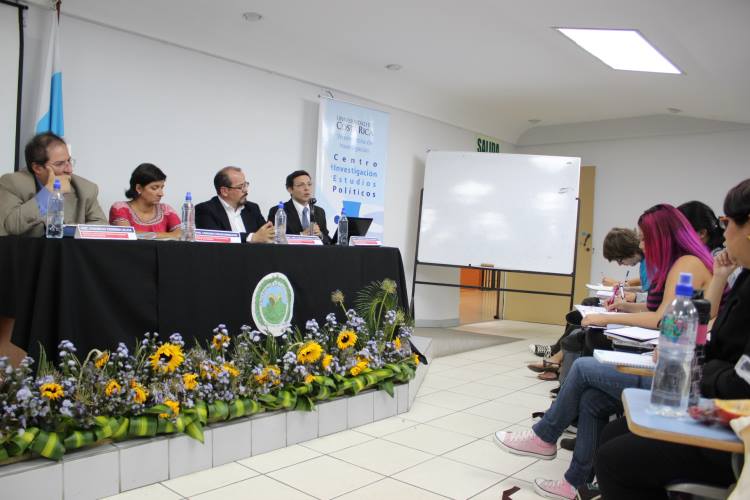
<point x="544" y="366"/>
<point x="548" y="376"/>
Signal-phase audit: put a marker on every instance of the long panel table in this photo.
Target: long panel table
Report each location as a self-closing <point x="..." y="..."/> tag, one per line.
<point x="99" y="293"/>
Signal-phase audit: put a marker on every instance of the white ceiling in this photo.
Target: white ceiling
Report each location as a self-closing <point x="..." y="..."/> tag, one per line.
<point x="486" y="65"/>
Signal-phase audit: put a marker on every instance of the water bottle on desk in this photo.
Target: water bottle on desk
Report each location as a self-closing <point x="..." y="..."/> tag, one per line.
<point x="188" y="219"/>
<point x="704" y="315"/>
<point x="343" y="229"/>
<point x="55" y="212"/>
<point x="670" y="387"/>
<point x="280" y="225"/>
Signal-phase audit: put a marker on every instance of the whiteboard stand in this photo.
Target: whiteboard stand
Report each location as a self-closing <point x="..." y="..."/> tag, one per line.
<point x="495" y="272"/>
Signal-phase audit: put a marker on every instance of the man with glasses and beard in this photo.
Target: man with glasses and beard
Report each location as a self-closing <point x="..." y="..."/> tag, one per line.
<point x="229" y="210"/>
<point x="24" y="194"/>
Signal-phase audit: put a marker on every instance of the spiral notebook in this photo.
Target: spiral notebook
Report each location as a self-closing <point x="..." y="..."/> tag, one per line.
<point x="629" y="359"/>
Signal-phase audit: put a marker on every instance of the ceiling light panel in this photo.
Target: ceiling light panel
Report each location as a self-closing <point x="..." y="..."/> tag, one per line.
<point x="621" y="49"/>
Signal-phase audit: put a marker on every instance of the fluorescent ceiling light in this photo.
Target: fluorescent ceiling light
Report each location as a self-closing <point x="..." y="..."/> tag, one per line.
<point x="621" y="49"/>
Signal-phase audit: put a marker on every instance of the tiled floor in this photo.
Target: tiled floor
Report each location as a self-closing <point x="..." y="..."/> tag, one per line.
<point x="441" y="448"/>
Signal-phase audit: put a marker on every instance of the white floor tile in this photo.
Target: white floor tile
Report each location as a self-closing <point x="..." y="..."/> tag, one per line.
<point x="451" y="400"/>
<point x="425" y="390"/>
<point x="151" y="492"/>
<point x="526" y="491"/>
<point x="429" y="439"/>
<point x="494" y="367"/>
<point x="483" y="391"/>
<point x="509" y="382"/>
<point x="534" y="402"/>
<point x="437" y="381"/>
<point x="487" y="455"/>
<point x="454" y="360"/>
<point x="479" y="355"/>
<point x="423" y="412"/>
<point x="545" y="469"/>
<point x="449" y="478"/>
<point x="258" y="487"/>
<point x="325" y="477"/>
<point x="390" y="489"/>
<point x="210" y="479"/>
<point x="381" y="456"/>
<point x="500" y="411"/>
<point x="336" y="442"/>
<point x="386" y="426"/>
<point x="279" y="459"/>
<point x="467" y="423"/>
<point x="465" y="373"/>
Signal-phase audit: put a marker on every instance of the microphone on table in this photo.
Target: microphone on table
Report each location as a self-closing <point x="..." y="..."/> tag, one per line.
<point x="312" y="203"/>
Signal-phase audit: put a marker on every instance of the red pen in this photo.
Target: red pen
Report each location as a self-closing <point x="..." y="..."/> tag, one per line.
<point x="614" y="294"/>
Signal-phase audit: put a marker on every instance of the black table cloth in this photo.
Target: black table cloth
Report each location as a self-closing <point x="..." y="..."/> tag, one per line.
<point x="99" y="293"/>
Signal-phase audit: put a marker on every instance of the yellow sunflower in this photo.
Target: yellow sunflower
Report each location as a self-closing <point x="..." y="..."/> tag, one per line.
<point x="52" y="391"/>
<point x="174" y="406"/>
<point x="397" y="343"/>
<point x="270" y="372"/>
<point x="309" y="378"/>
<point x="415" y="358"/>
<point x="358" y="368"/>
<point x="190" y="381"/>
<point x="112" y="388"/>
<point x="167" y="358"/>
<point x="140" y="394"/>
<point x="101" y="360"/>
<point x="219" y="340"/>
<point x="233" y="372"/>
<point x="310" y="352"/>
<point x="327" y="359"/>
<point x="346" y="339"/>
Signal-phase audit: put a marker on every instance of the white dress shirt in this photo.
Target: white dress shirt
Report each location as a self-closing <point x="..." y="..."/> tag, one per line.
<point x="235" y="217"/>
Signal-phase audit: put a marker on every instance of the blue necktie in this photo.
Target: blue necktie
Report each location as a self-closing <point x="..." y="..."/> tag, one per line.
<point x="305" y="218"/>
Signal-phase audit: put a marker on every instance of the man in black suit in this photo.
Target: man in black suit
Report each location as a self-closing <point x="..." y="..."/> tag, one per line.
<point x="230" y="210"/>
<point x="299" y="220"/>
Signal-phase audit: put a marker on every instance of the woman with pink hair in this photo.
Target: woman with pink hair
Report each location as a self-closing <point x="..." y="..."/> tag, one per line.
<point x="591" y="392"/>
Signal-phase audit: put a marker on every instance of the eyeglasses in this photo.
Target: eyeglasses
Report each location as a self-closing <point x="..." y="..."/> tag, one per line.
<point x="723" y="221"/>
<point x="62" y="163"/>
<point x="241" y="187"/>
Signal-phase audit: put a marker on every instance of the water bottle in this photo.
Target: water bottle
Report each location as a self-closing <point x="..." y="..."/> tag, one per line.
<point x="343" y="229"/>
<point x="188" y="219"/>
<point x="280" y="225"/>
<point x="55" y="212"/>
<point x="671" y="384"/>
<point x="704" y="315"/>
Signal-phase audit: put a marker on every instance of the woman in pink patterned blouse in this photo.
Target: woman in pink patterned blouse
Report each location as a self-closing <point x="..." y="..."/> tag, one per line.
<point x="144" y="211"/>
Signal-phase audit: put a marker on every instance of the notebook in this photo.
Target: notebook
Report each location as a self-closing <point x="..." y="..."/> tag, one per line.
<point x="633" y="333"/>
<point x="618" y="358"/>
<point x="586" y="310"/>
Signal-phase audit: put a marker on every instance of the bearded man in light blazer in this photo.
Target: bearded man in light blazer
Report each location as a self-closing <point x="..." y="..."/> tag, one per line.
<point x="24" y="194"/>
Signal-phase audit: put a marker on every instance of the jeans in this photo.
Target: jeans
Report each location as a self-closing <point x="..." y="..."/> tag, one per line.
<point x="591" y="393"/>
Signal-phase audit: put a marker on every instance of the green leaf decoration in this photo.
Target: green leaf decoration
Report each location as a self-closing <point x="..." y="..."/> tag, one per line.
<point x="121" y="430"/>
<point x="218" y="411"/>
<point x="105" y="427"/>
<point x="158" y="410"/>
<point x="18" y="444"/>
<point x="396" y="369"/>
<point x="287" y="399"/>
<point x="304" y="403"/>
<point x="252" y="407"/>
<point x="357" y="384"/>
<point x="79" y="438"/>
<point x="48" y="445"/>
<point x="143" y="426"/>
<point x="237" y="409"/>
<point x="323" y="393"/>
<point x="195" y="430"/>
<point x="3" y="453"/>
<point x="387" y="386"/>
<point x="202" y="409"/>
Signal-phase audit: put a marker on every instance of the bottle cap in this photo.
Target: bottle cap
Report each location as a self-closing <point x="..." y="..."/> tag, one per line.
<point x="56" y="184"/>
<point x="685" y="285"/>
<point x="188" y="196"/>
<point x="281" y="204"/>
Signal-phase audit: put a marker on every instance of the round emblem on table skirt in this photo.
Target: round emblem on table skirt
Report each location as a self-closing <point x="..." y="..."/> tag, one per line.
<point x="273" y="303"/>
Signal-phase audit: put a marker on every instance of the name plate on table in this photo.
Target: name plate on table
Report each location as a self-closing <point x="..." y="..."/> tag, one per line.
<point x="92" y="232"/>
<point x="364" y="241"/>
<point x="216" y="236"/>
<point x="301" y="239"/>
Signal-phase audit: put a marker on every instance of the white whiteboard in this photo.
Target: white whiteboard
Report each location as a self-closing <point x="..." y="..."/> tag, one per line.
<point x="516" y="212"/>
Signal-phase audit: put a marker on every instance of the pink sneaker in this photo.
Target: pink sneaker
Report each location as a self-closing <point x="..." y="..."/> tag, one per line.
<point x="554" y="489"/>
<point x="525" y="443"/>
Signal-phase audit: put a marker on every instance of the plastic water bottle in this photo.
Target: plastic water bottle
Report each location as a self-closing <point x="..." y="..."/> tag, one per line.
<point x="188" y="219"/>
<point x="280" y="225"/>
<point x="671" y="384"/>
<point x="55" y="212"/>
<point x="704" y="315"/>
<point x="343" y="229"/>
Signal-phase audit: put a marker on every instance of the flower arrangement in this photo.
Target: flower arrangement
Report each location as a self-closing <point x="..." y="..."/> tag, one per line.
<point x="162" y="387"/>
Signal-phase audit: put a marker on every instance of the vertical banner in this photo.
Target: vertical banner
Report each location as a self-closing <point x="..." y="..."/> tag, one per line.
<point x="351" y="166"/>
<point x="49" y="115"/>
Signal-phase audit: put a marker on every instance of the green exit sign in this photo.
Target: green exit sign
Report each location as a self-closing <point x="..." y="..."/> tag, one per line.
<point x="487" y="145"/>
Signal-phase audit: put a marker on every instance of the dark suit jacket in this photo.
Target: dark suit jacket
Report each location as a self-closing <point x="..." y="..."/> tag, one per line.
<point x="294" y="225"/>
<point x="211" y="215"/>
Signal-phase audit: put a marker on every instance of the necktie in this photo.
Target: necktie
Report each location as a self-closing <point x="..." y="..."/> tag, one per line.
<point x="305" y="218"/>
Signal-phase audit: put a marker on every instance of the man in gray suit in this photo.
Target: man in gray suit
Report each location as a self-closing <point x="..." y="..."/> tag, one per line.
<point x="24" y="194"/>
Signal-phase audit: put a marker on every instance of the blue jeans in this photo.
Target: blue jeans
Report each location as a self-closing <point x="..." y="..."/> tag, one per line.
<point x="591" y="393"/>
